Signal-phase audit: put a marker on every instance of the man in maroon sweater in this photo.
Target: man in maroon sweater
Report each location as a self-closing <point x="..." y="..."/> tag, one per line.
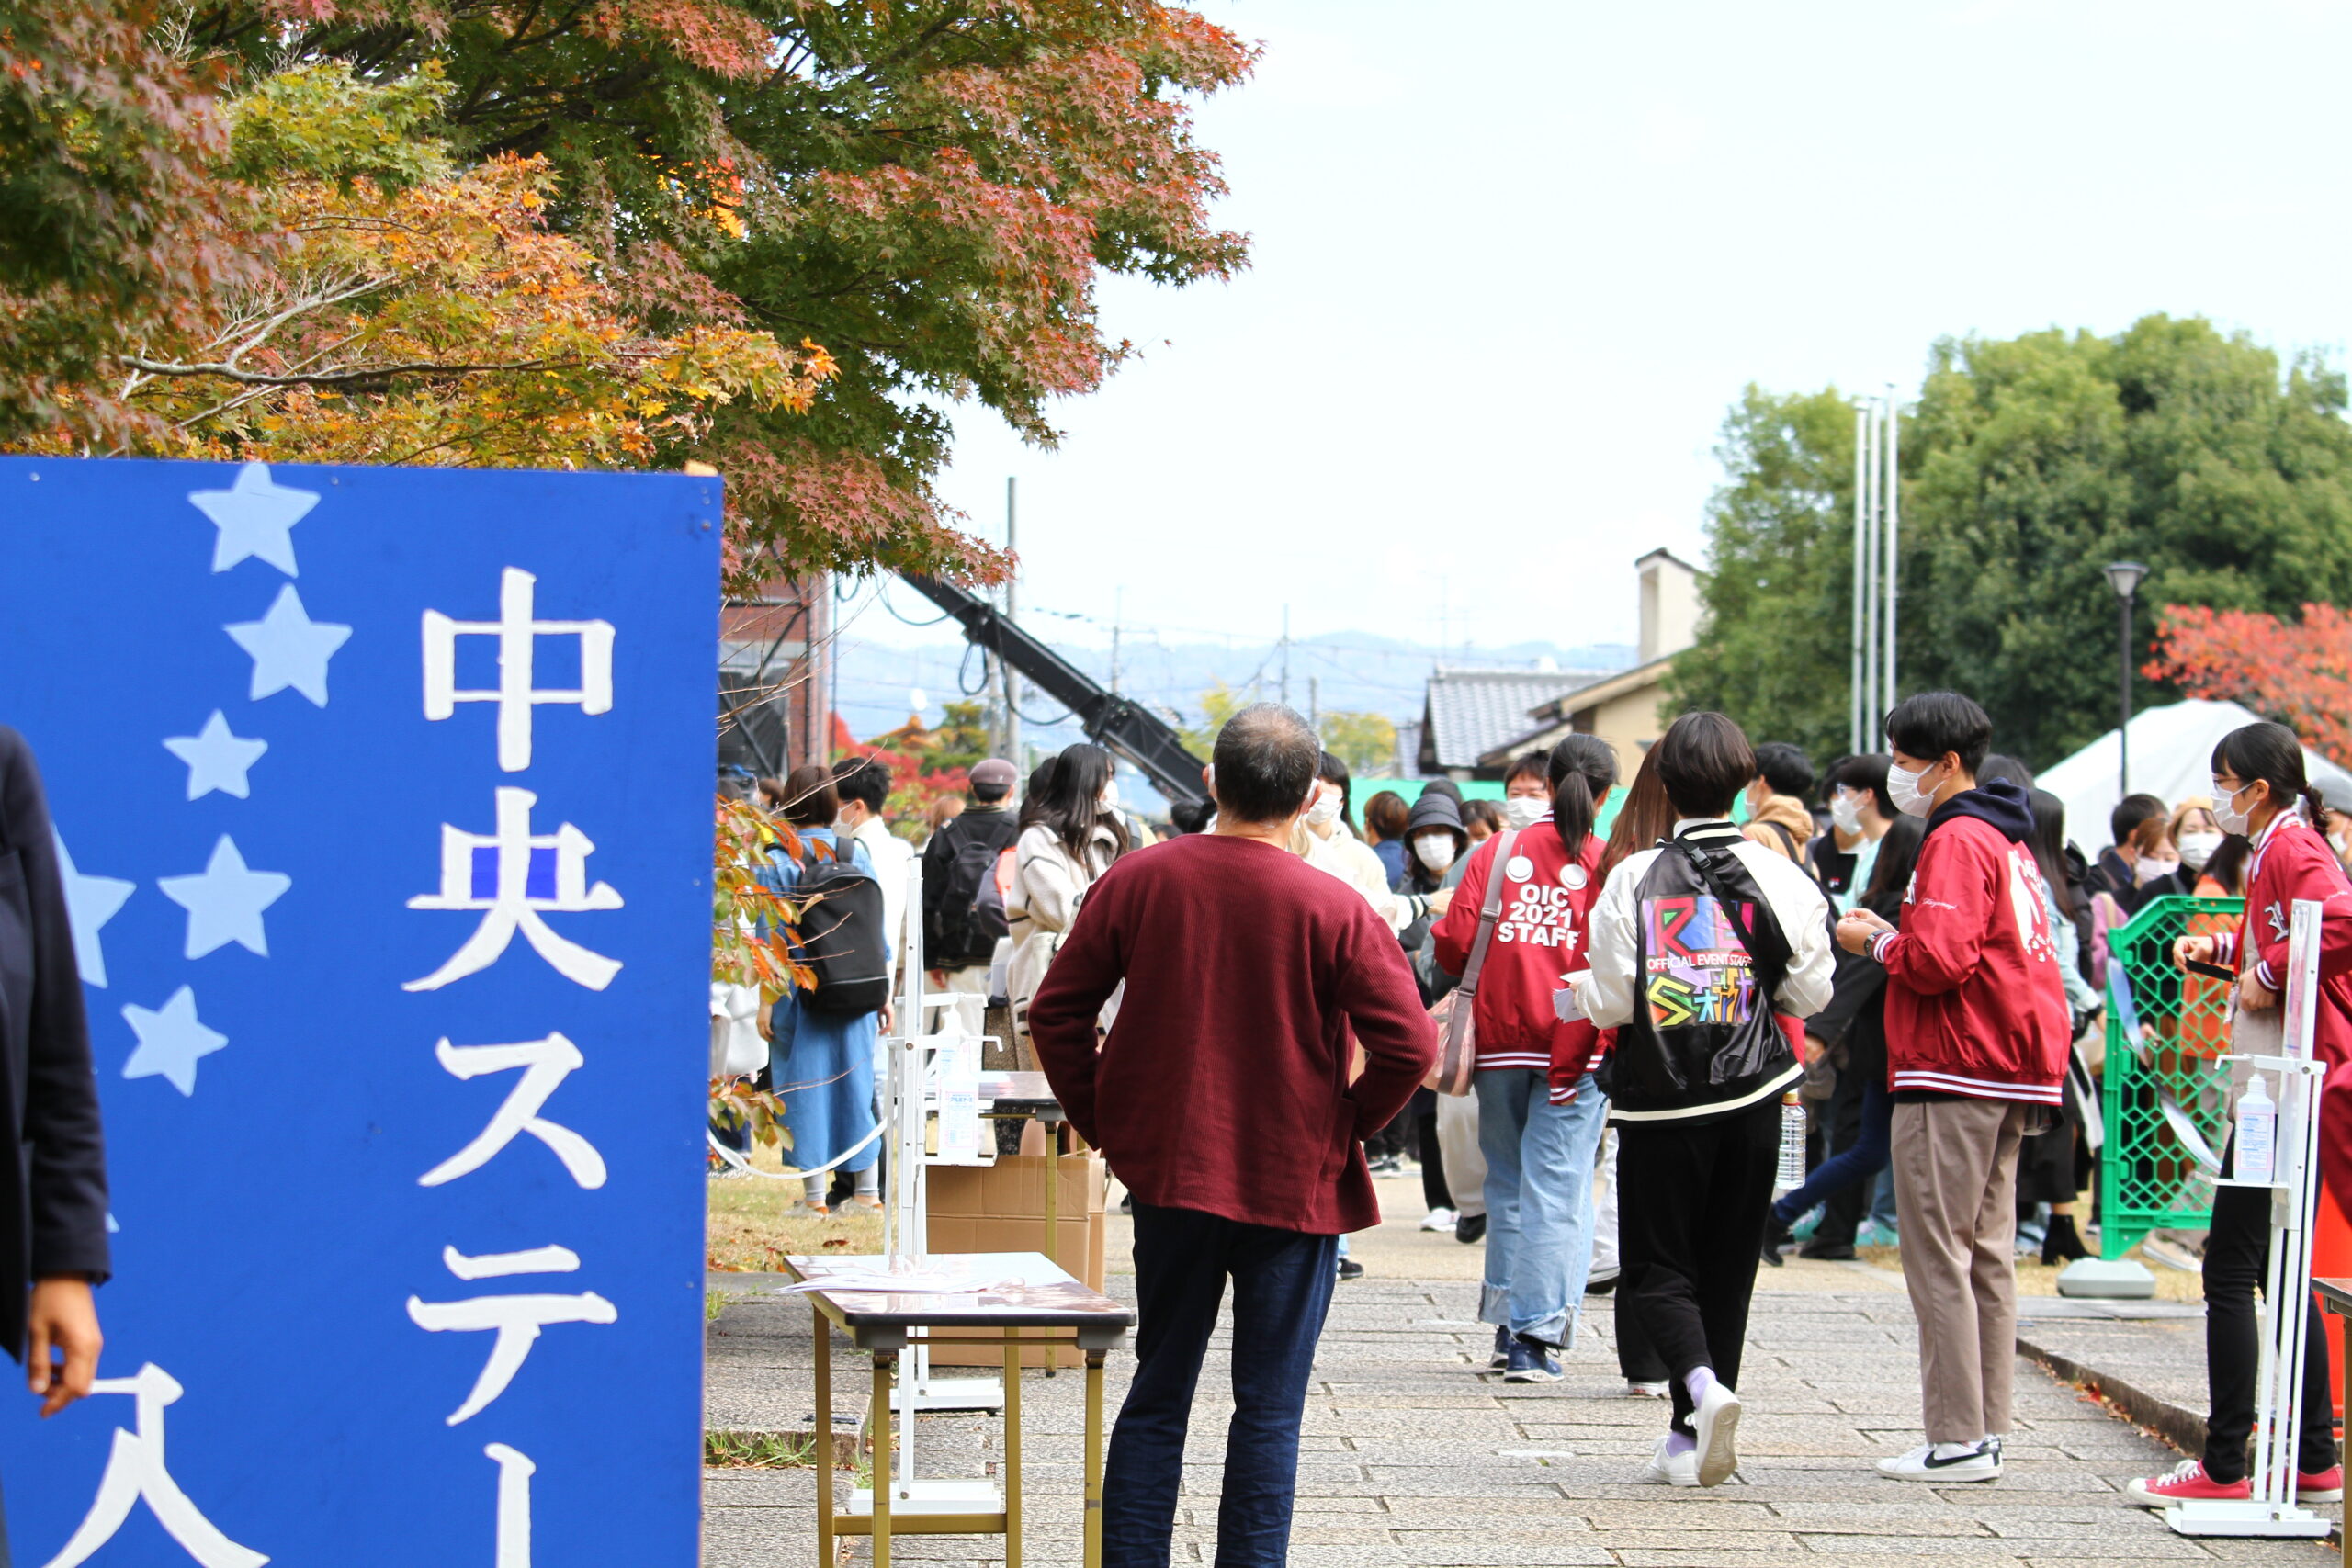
<point x="1223" y="1100"/>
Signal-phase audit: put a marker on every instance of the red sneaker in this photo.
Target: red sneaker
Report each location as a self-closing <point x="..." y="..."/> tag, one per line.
<point x="2320" y="1487"/>
<point x="2187" y="1482"/>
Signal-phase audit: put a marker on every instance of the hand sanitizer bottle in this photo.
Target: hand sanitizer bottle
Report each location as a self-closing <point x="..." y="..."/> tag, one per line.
<point x="2257" y="1134"/>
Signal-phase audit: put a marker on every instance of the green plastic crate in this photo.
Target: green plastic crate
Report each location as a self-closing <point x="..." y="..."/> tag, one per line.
<point x="2147" y="1180"/>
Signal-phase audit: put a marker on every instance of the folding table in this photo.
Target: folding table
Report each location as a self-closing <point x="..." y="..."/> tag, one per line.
<point x="1037" y="1294"/>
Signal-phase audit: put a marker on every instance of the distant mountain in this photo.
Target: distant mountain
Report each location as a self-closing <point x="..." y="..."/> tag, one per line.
<point x="880" y="685"/>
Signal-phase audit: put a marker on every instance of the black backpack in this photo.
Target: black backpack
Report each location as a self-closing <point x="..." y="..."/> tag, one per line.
<point x="1708" y="955"/>
<point x="960" y="924"/>
<point x="842" y="937"/>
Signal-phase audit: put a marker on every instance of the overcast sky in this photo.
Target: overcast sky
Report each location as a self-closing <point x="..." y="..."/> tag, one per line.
<point x="1513" y="260"/>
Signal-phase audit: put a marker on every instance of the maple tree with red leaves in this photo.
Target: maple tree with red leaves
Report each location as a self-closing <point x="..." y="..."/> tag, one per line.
<point x="2298" y="673"/>
<point x="925" y="191"/>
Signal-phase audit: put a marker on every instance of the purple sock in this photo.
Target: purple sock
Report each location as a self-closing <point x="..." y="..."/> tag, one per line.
<point x="1698" y="1382"/>
<point x="1676" y="1443"/>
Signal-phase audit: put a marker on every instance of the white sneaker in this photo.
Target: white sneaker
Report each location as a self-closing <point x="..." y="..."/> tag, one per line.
<point x="1670" y="1469"/>
<point x="1439" y="1220"/>
<point x="1716" y="1421"/>
<point x="1637" y="1389"/>
<point x="1982" y="1463"/>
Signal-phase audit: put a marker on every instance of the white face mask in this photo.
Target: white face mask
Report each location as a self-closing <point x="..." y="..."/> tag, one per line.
<point x="1903" y="792"/>
<point x="1326" y="809"/>
<point x="1521" y="810"/>
<point x="1434" y="851"/>
<point x="843" y="826"/>
<point x="1111" y="796"/>
<point x="2226" y="814"/>
<point x="1846" y="812"/>
<point x="2196" y="848"/>
<point x="2151" y="868"/>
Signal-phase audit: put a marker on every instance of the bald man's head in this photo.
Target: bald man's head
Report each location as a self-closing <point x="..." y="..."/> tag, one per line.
<point x="1266" y="757"/>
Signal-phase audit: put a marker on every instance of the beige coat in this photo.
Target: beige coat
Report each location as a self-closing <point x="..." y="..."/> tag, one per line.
<point x="1048" y="884"/>
<point x="1352" y="861"/>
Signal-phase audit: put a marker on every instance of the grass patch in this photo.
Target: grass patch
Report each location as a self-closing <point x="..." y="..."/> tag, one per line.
<point x="747" y="1228"/>
<point x="780" y="1451"/>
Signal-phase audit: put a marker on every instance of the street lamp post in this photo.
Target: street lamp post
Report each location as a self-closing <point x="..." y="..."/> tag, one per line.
<point x="2124" y="577"/>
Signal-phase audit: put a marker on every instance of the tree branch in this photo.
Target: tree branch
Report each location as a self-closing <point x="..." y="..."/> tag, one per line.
<point x="361" y="375"/>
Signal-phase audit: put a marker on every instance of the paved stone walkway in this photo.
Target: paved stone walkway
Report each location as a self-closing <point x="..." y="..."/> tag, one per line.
<point x="1415" y="1457"/>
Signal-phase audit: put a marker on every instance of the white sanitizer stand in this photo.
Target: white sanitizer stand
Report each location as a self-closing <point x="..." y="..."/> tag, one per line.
<point x="2279" y="1379"/>
<point x="932" y="1116"/>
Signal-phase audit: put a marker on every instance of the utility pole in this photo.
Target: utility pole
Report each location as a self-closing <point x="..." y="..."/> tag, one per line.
<point x="1315" y="704"/>
<point x="1858" y="705"/>
<point x="1893" y="486"/>
<point x="1877" y="528"/>
<point x="1118" y="608"/>
<point x="1011" y="682"/>
<point x="1285" y="699"/>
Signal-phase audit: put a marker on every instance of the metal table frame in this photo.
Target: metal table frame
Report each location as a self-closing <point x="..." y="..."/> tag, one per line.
<point x="887" y="1334"/>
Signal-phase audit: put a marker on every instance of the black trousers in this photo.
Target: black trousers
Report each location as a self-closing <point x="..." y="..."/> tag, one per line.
<point x="1841" y="1212"/>
<point x="1423" y="1110"/>
<point x="2238" y="1264"/>
<point x="1690" y="1229"/>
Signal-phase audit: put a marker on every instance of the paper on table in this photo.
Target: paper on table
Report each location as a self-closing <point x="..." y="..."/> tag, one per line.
<point x="960" y="1275"/>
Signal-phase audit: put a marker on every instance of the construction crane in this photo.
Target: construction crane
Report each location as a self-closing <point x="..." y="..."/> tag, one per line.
<point x="1118" y="724"/>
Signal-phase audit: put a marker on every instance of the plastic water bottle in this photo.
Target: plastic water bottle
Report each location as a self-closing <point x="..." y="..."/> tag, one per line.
<point x="1791" y="1174"/>
<point x="2257" y="1134"/>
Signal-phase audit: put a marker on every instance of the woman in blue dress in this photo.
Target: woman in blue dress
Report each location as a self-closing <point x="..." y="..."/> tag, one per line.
<point x="822" y="1064"/>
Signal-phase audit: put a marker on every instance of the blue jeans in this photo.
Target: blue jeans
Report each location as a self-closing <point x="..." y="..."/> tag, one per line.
<point x="1862" y="1161"/>
<point x="1539" y="1201"/>
<point x="1282" y="1288"/>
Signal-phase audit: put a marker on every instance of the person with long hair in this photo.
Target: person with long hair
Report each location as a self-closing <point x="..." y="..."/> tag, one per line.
<point x="1705" y="954"/>
<point x="1071" y="832"/>
<point x="1538" y="1145"/>
<point x="2048" y="1162"/>
<point x="1855" y="1023"/>
<point x="2260" y="790"/>
<point x="822" y="1064"/>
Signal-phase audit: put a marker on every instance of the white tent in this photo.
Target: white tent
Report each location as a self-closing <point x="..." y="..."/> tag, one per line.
<point x="2172" y="757"/>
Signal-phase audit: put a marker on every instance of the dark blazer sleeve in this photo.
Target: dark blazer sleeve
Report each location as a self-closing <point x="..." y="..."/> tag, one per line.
<point x="64" y="1150"/>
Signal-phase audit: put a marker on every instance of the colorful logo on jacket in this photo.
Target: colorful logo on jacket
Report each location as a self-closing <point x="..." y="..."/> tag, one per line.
<point x="1697" y="969"/>
<point x="2026" y="901"/>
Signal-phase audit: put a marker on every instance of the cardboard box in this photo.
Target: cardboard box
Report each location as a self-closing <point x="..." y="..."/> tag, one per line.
<point x="1002" y="1208"/>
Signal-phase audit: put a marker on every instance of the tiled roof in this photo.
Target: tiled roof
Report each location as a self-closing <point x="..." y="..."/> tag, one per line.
<point x="1470" y="712"/>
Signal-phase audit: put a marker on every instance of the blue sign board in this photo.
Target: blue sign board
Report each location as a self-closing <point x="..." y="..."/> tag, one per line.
<point x="385" y="794"/>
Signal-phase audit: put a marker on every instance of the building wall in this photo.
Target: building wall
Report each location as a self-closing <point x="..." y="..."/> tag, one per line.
<point x="777" y="717"/>
<point x="1629" y="723"/>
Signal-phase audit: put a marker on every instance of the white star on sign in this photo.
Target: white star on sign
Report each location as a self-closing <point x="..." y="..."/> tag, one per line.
<point x="225" y="900"/>
<point x="289" y="649"/>
<point x="216" y="758"/>
<point x="255" y="517"/>
<point x="170" y="1041"/>
<point x="90" y="903"/>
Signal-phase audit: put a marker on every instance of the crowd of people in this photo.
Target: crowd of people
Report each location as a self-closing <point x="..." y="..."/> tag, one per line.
<point x="1592" y="1040"/>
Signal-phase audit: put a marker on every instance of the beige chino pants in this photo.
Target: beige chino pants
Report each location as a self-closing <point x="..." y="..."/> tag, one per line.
<point x="1955" y="1184"/>
<point x="1457" y="1146"/>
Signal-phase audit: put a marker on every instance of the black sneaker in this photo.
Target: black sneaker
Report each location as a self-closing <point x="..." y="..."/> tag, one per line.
<point x="1470" y="1228"/>
<point x="1501" y="1357"/>
<point x="1601" y="1281"/>
<point x="1350" y="1269"/>
<point x="1827" y="1251"/>
<point x="1776" y="1236"/>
